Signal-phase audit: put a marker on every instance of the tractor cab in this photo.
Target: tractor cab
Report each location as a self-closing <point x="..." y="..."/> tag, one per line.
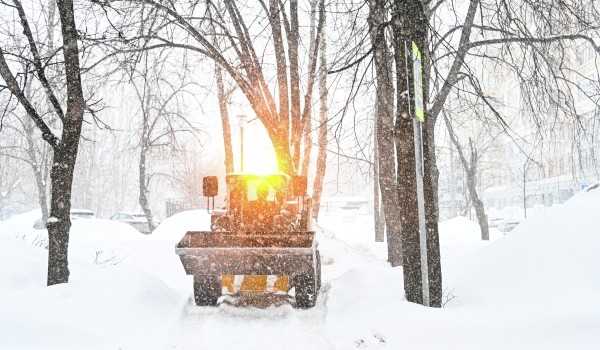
<point x="257" y="202"/>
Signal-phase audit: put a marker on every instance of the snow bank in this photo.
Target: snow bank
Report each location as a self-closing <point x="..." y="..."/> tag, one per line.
<point x="535" y="288"/>
<point x="102" y="306"/>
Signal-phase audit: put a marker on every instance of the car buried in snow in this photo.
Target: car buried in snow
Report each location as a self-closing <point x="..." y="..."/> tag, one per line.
<point x="75" y="214"/>
<point x="135" y="219"/>
<point x="508" y="225"/>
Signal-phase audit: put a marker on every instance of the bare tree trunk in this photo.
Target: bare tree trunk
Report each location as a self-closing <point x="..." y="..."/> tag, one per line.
<point x="407" y="181"/>
<point x="411" y="25"/>
<point x="223" y="100"/>
<point x="307" y="113"/>
<point x="144" y="182"/>
<point x="59" y="222"/>
<point x="39" y="163"/>
<point x="477" y="203"/>
<point x="323" y="109"/>
<point x="378" y="216"/>
<point x="65" y="153"/>
<point x="293" y="41"/>
<point x="430" y="186"/>
<point x="224" y="120"/>
<point x="307" y="148"/>
<point x="281" y="63"/>
<point x="470" y="168"/>
<point x="385" y="127"/>
<point x="38" y="160"/>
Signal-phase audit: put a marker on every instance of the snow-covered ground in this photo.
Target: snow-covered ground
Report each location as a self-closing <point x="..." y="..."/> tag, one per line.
<point x="538" y="287"/>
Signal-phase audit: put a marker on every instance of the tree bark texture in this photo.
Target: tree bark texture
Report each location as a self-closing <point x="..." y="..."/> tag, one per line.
<point x="65" y="154"/>
<point x="378" y="216"/>
<point x="411" y="25"/>
<point x="407" y="180"/>
<point x="228" y="147"/>
<point x="430" y="180"/>
<point x="64" y="147"/>
<point x="385" y="130"/>
<point x="322" y="127"/>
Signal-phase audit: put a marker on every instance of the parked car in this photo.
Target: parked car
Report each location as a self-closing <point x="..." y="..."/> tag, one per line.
<point x="507" y="225"/>
<point x="76" y="214"/>
<point x="494" y="222"/>
<point x="137" y="220"/>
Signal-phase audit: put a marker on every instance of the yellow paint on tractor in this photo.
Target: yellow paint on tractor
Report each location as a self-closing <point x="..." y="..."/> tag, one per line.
<point x="227" y="286"/>
<point x="232" y="284"/>
<point x="281" y="284"/>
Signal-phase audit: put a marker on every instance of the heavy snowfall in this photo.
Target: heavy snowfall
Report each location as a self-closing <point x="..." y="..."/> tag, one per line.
<point x="534" y="288"/>
<point x="401" y="173"/>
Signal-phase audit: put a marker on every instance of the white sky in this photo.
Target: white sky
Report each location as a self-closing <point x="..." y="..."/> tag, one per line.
<point x="535" y="288"/>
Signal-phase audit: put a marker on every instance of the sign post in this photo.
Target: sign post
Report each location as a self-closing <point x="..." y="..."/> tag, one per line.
<point x="419" y="118"/>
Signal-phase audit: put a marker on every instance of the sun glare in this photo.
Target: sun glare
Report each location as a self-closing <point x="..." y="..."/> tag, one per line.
<point x="259" y="160"/>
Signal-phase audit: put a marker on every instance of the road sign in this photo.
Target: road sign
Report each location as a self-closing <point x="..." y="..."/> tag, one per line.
<point x="584" y="186"/>
<point x="418" y="82"/>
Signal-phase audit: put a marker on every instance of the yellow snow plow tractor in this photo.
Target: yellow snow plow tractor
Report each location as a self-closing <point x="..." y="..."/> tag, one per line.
<point x="260" y="242"/>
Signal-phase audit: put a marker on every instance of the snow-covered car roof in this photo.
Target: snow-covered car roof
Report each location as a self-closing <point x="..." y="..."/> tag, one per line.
<point x="83" y="211"/>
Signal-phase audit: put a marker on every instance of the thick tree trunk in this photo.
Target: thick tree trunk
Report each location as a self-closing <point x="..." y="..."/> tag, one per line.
<point x="59" y="222"/>
<point x="411" y="25"/>
<point x="64" y="147"/>
<point x="385" y="128"/>
<point x="430" y="182"/>
<point x="407" y="180"/>
<point x="65" y="153"/>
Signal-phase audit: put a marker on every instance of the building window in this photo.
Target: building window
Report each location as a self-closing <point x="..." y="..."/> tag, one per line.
<point x="584" y="53"/>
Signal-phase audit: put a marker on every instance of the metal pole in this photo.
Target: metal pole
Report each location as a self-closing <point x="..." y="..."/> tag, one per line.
<point x="421" y="206"/>
<point x="242" y="121"/>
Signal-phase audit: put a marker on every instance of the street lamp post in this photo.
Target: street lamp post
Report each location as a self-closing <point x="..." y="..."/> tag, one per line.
<point x="242" y="118"/>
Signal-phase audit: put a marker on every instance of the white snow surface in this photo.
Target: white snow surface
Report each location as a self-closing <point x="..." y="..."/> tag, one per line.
<point x="538" y="287"/>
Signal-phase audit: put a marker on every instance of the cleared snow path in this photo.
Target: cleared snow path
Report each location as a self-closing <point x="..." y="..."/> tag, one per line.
<point x="230" y="327"/>
<point x="227" y="326"/>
